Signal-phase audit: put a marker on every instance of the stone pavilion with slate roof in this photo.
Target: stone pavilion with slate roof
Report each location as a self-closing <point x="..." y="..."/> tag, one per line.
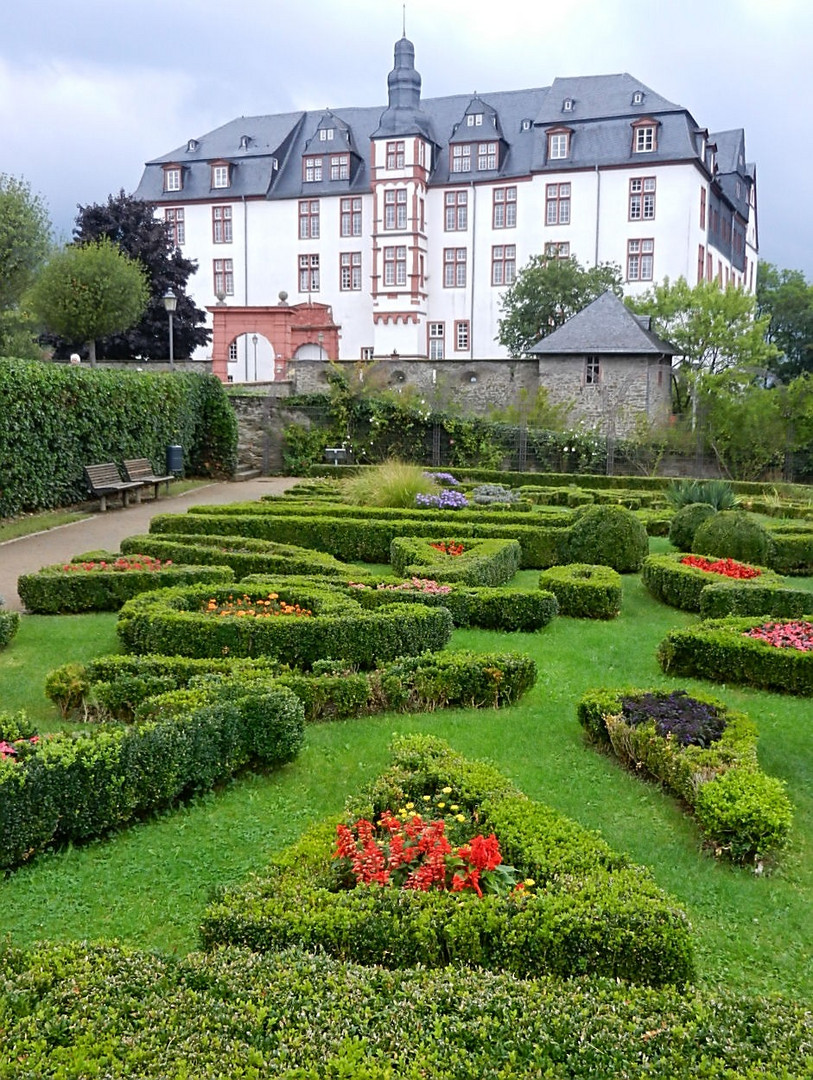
<point x="393" y="230"/>
<point x="608" y="366"/>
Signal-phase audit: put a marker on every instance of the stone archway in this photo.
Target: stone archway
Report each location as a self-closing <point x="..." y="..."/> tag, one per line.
<point x="285" y="327"/>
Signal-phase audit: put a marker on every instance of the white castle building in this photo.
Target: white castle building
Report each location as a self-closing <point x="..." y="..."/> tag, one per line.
<point x="373" y="232"/>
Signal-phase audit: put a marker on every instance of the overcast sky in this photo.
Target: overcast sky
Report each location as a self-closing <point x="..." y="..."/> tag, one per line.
<point x="91" y="89"/>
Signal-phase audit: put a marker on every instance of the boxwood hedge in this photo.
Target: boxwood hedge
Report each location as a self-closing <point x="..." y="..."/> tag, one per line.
<point x="78" y="786"/>
<point x="682" y="586"/>
<point x="483" y="562"/>
<point x="590" y="910"/>
<point x="56" y="590"/>
<point x="746" y="818"/>
<point x="718" y="649"/>
<point x="9" y="625"/>
<point x="81" y="1009"/>
<point x="115" y="686"/>
<point x="584" y="591"/>
<point x="173" y="621"/>
<point x="57" y="418"/>
<point x="245" y="556"/>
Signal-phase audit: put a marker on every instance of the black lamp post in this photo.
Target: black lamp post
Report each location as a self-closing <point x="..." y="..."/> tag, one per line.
<point x="171" y="303"/>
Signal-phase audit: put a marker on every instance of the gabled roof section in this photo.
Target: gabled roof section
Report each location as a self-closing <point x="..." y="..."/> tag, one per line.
<point x="598" y="97"/>
<point x="338" y="136"/>
<point x="730" y="151"/>
<point x="604" y="327"/>
<point x="468" y="130"/>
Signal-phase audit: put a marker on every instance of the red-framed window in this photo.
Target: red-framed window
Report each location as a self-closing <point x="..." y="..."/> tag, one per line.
<point x="395" y="208"/>
<point x="462" y="335"/>
<point x="350" y="271"/>
<point x="395" y="266"/>
<point x="640" y="259"/>
<point x="503" y="264"/>
<point x="557" y="204"/>
<point x="340" y="167"/>
<point x="221" y="225"/>
<point x="312" y="169"/>
<point x="436" y="334"/>
<point x="461" y="158"/>
<point x="504" y="208"/>
<point x="456" y="211"/>
<point x="308" y="219"/>
<point x="176" y="225"/>
<point x="487" y="156"/>
<point x="557" y="249"/>
<point x="642" y="198"/>
<point x="454" y="268"/>
<point x="395" y="155"/>
<point x="223" y="272"/>
<point x="702" y="208"/>
<point x="701" y="262"/>
<point x="308" y="273"/>
<point x="350" y="217"/>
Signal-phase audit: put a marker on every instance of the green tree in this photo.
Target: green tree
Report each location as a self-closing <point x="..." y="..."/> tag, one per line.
<point x="785" y="298"/>
<point x="25" y="237"/>
<point x="89" y="292"/>
<point x="546" y="292"/>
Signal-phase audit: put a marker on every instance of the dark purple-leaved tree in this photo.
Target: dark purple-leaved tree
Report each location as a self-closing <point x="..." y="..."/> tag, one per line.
<point x="132" y="226"/>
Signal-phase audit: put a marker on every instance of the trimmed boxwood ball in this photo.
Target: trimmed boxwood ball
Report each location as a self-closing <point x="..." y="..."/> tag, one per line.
<point x="734" y="534"/>
<point x="584" y="591"/>
<point x="175" y="622"/>
<point x="686" y="522"/>
<point x="610" y="535"/>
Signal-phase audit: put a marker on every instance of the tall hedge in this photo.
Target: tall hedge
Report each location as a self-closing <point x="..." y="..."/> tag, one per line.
<point x="57" y="418"/>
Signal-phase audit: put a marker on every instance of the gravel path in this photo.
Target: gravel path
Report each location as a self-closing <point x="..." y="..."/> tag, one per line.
<point x="106" y="531"/>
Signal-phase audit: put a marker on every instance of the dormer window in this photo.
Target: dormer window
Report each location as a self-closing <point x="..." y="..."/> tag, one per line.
<point x="558" y="145"/>
<point x="340" y="167"/>
<point x="311" y="169"/>
<point x="525" y="125"/>
<point x="221" y="176"/>
<point x="326" y="134"/>
<point x="486" y="156"/>
<point x="461" y="158"/>
<point x="172" y="178"/>
<point x="638" y="97"/>
<point x="191" y="146"/>
<point x="645" y="137"/>
<point x="567" y="105"/>
<point x="474" y="120"/>
<point x="245" y="142"/>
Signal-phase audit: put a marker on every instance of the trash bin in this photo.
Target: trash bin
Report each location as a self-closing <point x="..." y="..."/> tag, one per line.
<point x="175" y="459"/>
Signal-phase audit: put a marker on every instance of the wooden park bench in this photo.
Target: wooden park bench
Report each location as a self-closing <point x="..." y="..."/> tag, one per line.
<point x="104" y="480"/>
<point x="141" y="469"/>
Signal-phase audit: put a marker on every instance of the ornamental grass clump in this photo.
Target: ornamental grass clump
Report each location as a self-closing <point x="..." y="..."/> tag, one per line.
<point x="391" y="484"/>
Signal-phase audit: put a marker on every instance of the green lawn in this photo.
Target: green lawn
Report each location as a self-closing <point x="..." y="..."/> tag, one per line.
<point x="148" y="885"/>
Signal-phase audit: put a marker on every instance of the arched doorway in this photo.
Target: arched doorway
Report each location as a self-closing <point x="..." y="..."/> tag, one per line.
<point x="311" y="351"/>
<point x="251" y="359"/>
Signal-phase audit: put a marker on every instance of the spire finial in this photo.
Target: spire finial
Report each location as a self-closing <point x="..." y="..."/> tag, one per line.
<point x="403" y="10"/>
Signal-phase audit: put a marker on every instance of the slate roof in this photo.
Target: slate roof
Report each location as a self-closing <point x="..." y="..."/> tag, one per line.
<point x="603" y="108"/>
<point x="604" y="327"/>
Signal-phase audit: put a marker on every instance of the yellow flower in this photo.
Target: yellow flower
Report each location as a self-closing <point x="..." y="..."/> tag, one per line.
<point x="460" y="817"/>
<point x="427" y="798"/>
<point x="454" y="806"/>
<point x="447" y="791"/>
<point x="529" y="882"/>
<point x="410" y="806"/>
<point x="441" y="805"/>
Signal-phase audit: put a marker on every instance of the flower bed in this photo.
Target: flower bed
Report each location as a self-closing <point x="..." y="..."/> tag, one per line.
<point x="446" y="500"/>
<point x="243" y="555"/>
<point x="588" y="911"/>
<point x="723" y="650"/>
<point x="727" y="567"/>
<point x="104" y="585"/>
<point x="254" y="607"/>
<point x="469" y="561"/>
<point x="173" y="622"/>
<point x="702" y="752"/>
<point x="792" y="635"/>
<point x="681" y="580"/>
<point x="584" y="591"/>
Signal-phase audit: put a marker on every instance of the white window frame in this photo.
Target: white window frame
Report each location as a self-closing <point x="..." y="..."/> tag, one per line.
<point x="221" y="176"/>
<point x="461" y="158"/>
<point x="350" y="271"/>
<point x="558" y="146"/>
<point x="172" y="179"/>
<point x="436" y="332"/>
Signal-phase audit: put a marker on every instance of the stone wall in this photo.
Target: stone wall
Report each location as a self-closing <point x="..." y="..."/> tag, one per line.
<point x="471" y="386"/>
